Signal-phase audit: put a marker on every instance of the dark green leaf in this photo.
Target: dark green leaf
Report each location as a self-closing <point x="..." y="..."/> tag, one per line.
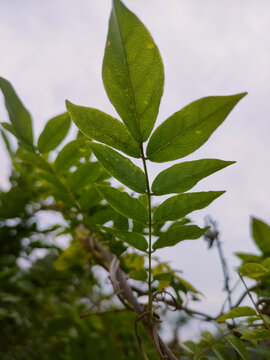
<point x="177" y="234"/>
<point x="123" y="203"/>
<point x="86" y="174"/>
<point x="54" y="133"/>
<point x="237" y="312"/>
<point x="261" y="235"/>
<point x="7" y="143"/>
<point x="102" y="127"/>
<point x="238" y="345"/>
<point x="182" y="177"/>
<point x="257" y="335"/>
<point x="20" y="117"/>
<point x="188" y="129"/>
<point x="220" y="352"/>
<point x="120" y="167"/>
<point x="34" y="159"/>
<point x="253" y="271"/>
<point x="133" y="73"/>
<point x="140" y="275"/>
<point x="71" y="154"/>
<point x="53" y="180"/>
<point x="134" y="239"/>
<point x="89" y="198"/>
<point x="178" y="206"/>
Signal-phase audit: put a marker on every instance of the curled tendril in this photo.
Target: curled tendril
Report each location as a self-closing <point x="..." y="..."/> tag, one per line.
<point x="160" y="296"/>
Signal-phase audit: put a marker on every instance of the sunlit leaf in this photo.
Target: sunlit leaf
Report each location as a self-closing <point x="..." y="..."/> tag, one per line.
<point x="132" y="72"/>
<point x="253" y="271"/>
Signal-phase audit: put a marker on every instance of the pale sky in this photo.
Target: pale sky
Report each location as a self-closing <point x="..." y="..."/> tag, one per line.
<point x="53" y="50"/>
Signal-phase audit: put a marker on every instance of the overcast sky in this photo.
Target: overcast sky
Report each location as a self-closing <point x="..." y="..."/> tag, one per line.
<point x="53" y="50"/>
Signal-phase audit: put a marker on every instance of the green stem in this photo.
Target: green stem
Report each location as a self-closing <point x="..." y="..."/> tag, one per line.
<point x="150" y="231"/>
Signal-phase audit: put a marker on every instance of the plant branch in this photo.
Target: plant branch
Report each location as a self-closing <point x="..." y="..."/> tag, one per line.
<point x="105" y="258"/>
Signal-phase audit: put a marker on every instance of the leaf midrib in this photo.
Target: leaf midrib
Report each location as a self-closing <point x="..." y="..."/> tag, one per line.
<point x="130" y="88"/>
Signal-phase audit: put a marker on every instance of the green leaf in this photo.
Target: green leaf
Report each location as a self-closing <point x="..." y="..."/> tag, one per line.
<point x="186" y="284"/>
<point x="237" y="312"/>
<point x="257" y="335"/>
<point x="238" y="346"/>
<point x="261" y="235"/>
<point x="9" y="127"/>
<point x="33" y="159"/>
<point x="132" y="72"/>
<point x="53" y="180"/>
<point x="178" y="206"/>
<point x="140" y="275"/>
<point x="246" y="257"/>
<point x="71" y="154"/>
<point x="54" y="133"/>
<point x="220" y="352"/>
<point x="266" y="263"/>
<point x="102" y="127"/>
<point x="188" y="129"/>
<point x="89" y="198"/>
<point x="182" y="177"/>
<point x="253" y="271"/>
<point x="20" y="117"/>
<point x="120" y="167"/>
<point x="74" y="255"/>
<point x="123" y="203"/>
<point x="134" y="239"/>
<point x="177" y="234"/>
<point x="86" y="174"/>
